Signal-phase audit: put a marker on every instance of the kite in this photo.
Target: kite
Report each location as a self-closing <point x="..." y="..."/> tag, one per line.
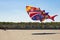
<point x="38" y="14"/>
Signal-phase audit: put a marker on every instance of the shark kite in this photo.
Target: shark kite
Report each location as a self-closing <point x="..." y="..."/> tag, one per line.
<point x="38" y="14"/>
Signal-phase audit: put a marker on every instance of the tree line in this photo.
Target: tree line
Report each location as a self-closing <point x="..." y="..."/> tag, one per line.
<point x="29" y="25"/>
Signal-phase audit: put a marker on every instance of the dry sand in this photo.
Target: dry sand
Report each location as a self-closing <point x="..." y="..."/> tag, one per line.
<point x="30" y="35"/>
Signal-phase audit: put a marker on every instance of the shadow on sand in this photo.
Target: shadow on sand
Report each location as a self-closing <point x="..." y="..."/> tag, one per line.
<point x="44" y="33"/>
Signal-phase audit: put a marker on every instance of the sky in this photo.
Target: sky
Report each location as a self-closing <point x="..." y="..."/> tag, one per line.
<point x="15" y="10"/>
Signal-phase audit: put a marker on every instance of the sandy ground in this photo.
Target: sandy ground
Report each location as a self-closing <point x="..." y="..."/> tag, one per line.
<point x="30" y="35"/>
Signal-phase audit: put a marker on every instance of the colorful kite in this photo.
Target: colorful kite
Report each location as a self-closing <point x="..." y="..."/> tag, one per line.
<point x="38" y="14"/>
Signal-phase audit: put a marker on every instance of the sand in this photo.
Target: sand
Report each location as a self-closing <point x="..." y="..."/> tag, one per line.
<point x="30" y="35"/>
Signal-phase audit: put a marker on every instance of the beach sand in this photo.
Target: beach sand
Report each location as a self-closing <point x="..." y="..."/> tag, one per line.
<point x="30" y="35"/>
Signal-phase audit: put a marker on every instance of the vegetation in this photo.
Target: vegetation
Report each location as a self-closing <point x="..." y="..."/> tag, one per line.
<point x="30" y="25"/>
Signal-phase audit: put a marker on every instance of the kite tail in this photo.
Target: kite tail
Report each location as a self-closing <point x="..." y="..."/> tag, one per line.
<point x="52" y="18"/>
